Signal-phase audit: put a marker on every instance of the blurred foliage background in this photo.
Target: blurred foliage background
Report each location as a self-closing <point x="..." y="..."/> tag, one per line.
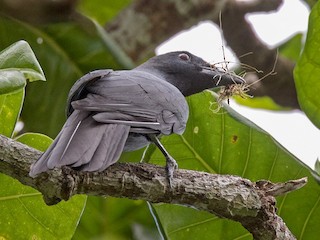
<point x="70" y="38"/>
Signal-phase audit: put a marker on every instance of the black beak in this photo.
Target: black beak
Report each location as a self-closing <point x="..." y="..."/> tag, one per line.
<point x="221" y="77"/>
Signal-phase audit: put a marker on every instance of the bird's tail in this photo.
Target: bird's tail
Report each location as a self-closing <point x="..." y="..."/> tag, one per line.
<point x="84" y="144"/>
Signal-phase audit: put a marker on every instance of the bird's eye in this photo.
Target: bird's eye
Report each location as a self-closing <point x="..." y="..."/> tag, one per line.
<point x="184" y="57"/>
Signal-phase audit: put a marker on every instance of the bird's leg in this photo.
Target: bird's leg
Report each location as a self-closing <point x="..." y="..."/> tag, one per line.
<point x="171" y="164"/>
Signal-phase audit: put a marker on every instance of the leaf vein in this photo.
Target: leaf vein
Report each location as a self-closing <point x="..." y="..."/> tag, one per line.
<point x="36" y="219"/>
<point x="18" y="196"/>
<point x="274" y="163"/>
<point x="221" y="142"/>
<point x="308" y="217"/>
<point x="193" y="225"/>
<point x="248" y="153"/>
<point x="197" y="156"/>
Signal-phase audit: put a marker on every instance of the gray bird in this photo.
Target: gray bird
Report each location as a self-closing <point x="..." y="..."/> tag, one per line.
<point x="114" y="111"/>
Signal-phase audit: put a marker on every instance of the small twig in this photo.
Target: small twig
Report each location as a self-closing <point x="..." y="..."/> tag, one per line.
<point x="278" y="189"/>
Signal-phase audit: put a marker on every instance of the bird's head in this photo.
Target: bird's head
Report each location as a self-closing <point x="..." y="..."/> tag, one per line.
<point x="189" y="73"/>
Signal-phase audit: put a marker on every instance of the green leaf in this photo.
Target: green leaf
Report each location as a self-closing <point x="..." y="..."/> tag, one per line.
<point x="259" y="102"/>
<point x="24" y="215"/>
<point x="291" y="49"/>
<point x="35" y="140"/>
<point x="18" y="64"/>
<point x="20" y="57"/>
<point x="10" y="108"/>
<point x="11" y="81"/>
<point x="310" y="2"/>
<point x="24" y="207"/>
<point x="307" y="70"/>
<point x="227" y="143"/>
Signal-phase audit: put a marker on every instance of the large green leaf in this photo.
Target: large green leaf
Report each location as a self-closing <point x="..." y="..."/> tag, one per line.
<point x="11" y="81"/>
<point x="17" y="64"/>
<point x="35" y="140"/>
<point x="10" y="108"/>
<point x="307" y="71"/>
<point x="24" y="207"/>
<point x="20" y="205"/>
<point x="227" y="143"/>
<point x="24" y="215"/>
<point x="260" y="103"/>
<point x="19" y="56"/>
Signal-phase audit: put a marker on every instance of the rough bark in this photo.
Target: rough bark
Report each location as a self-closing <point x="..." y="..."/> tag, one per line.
<point x="232" y="197"/>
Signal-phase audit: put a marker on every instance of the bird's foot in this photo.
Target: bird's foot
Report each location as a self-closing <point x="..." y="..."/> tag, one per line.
<point x="171" y="166"/>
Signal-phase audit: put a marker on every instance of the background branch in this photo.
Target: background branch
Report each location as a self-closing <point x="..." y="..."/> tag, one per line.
<point x="141" y="27"/>
<point x="242" y="39"/>
<point x="232" y="197"/>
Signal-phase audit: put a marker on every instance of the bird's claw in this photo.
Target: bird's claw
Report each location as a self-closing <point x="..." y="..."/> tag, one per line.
<point x="171" y="166"/>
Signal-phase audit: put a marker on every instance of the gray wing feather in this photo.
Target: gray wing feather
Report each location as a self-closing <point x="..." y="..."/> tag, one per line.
<point x="104" y="118"/>
<point x="109" y="149"/>
<point x="41" y="164"/>
<point x="57" y="148"/>
<point x="80" y="148"/>
<point x="77" y="90"/>
<point x="140" y="97"/>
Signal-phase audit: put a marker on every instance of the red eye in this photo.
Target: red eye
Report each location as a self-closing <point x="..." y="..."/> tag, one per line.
<point x="184" y="57"/>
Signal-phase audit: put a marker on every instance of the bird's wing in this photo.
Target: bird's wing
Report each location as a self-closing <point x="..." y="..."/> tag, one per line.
<point x="104" y="107"/>
<point x="78" y="90"/>
<point x="136" y="97"/>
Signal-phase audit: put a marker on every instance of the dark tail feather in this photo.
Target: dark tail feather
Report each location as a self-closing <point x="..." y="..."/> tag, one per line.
<point x="85" y="144"/>
<point x="109" y="148"/>
<point x="59" y="144"/>
<point x="41" y="164"/>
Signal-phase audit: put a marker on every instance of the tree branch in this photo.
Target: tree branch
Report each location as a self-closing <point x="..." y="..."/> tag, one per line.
<point x="142" y="26"/>
<point x="242" y="39"/>
<point x="232" y="197"/>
